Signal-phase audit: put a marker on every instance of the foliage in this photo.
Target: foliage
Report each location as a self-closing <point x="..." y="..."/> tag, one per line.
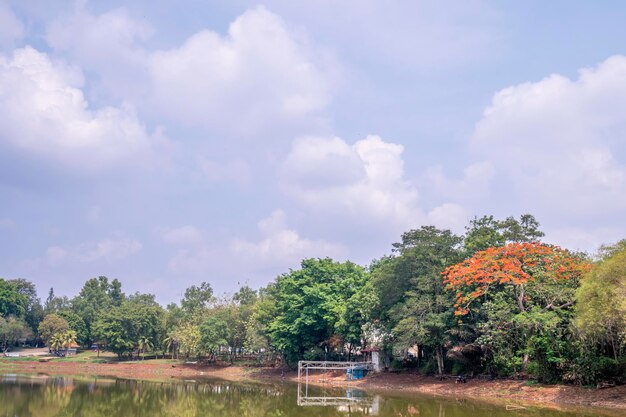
<point x="12" y="329"/>
<point x="216" y="331"/>
<point x="422" y="314"/>
<point x="487" y="232"/>
<point x="97" y="297"/>
<point x="52" y="325"/>
<point x="12" y="301"/>
<point x="309" y="303"/>
<point x="520" y="297"/>
<point x="601" y="304"/>
<point x="33" y="311"/>
<point x="515" y="266"/>
<point x="55" y="304"/>
<point x="189" y="339"/>
<point x="197" y="299"/>
<point x="122" y="327"/>
<point x="77" y="324"/>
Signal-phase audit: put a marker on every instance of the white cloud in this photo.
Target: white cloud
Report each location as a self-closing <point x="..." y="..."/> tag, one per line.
<point x="111" y="44"/>
<point x="278" y="249"/>
<point x="559" y="142"/>
<point x="472" y="188"/>
<point x="11" y="28"/>
<point x="281" y="245"/>
<point x="235" y="170"/>
<point x="184" y="235"/>
<point x="587" y="239"/>
<point x="399" y="34"/>
<point x="258" y="73"/>
<point x="363" y="183"/>
<point x="449" y="216"/>
<point x="108" y="250"/>
<point x="43" y="112"/>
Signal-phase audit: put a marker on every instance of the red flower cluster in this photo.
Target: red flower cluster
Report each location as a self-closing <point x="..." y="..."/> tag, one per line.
<point x="512" y="264"/>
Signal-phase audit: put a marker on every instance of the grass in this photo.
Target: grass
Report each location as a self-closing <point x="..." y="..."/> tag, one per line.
<point x="89" y="356"/>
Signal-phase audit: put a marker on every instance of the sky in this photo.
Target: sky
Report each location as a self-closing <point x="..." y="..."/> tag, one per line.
<point x="166" y="143"/>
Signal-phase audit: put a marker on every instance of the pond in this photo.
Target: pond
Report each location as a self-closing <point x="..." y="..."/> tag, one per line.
<point x="42" y="395"/>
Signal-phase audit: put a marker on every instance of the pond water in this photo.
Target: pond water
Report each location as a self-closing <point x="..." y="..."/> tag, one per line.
<point x="42" y="395"/>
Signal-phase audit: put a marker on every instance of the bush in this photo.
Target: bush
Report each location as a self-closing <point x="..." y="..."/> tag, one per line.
<point x="458" y="368"/>
<point x="313" y="354"/>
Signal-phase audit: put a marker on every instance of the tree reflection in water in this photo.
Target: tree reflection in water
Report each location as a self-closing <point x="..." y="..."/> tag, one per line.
<point x="43" y="396"/>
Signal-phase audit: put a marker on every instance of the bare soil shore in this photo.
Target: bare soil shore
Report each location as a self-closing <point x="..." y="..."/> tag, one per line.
<point x="500" y="391"/>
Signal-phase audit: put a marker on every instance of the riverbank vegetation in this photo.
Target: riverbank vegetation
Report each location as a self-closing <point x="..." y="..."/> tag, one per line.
<point x="496" y="301"/>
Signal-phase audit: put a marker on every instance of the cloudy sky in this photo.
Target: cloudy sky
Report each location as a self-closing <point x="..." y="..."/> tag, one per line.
<point x="167" y="142"/>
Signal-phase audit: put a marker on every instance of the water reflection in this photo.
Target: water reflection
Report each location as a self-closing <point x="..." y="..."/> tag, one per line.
<point x="348" y="401"/>
<point x="44" y="396"/>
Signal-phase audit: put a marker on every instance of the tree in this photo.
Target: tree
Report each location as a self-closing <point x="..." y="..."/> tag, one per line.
<point x="33" y="311"/>
<point x="216" y="330"/>
<point x="96" y="297"/>
<point x="68" y="339"/>
<point x="144" y="344"/>
<point x="52" y="325"/>
<point x="77" y="324"/>
<point x="121" y="328"/>
<point x="515" y="267"/>
<point x="55" y="304"/>
<point x="189" y="339"/>
<point x="264" y="311"/>
<point x="197" y="299"/>
<point x="487" y="232"/>
<point x="12" y="301"/>
<point x="425" y="314"/>
<point x="518" y="299"/>
<point x="601" y="303"/>
<point x="309" y="302"/>
<point x="11" y="330"/>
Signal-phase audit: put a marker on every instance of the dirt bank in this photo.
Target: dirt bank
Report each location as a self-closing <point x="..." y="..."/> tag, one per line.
<point x="502" y="391"/>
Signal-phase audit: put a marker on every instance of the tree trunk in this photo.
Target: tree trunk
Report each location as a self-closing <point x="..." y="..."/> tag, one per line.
<point x="439" y="357"/>
<point x="520" y="298"/>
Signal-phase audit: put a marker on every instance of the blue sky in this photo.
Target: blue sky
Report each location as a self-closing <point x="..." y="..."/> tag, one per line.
<point x="166" y="143"/>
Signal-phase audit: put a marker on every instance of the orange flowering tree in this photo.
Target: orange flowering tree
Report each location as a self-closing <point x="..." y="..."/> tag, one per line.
<point x="532" y="271"/>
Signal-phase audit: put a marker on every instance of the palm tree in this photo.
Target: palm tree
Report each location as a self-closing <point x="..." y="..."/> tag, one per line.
<point x="68" y="339"/>
<point x="144" y="343"/>
<point x="170" y="343"/>
<point x="56" y="342"/>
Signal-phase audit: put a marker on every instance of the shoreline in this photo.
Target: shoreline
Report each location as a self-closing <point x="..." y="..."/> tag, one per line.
<point x="607" y="401"/>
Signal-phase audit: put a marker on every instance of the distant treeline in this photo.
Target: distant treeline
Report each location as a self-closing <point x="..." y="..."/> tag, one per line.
<point x="495" y="301"/>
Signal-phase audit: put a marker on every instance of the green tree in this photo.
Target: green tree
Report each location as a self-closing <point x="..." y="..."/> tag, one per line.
<point x="12" y="329"/>
<point x="309" y="302"/>
<point x="144" y="344"/>
<point x="77" y="324"/>
<point x="68" y="339"/>
<point x="486" y="232"/>
<point x="52" y="325"/>
<point x="55" y="304"/>
<point x="121" y="328"/>
<point x="263" y="312"/>
<point x="189" y="339"/>
<point x="97" y="296"/>
<point x="197" y="299"/>
<point x="33" y="311"/>
<point x="518" y="298"/>
<point x="12" y="301"/>
<point x="601" y="303"/>
<point x="425" y="315"/>
<point x="216" y="330"/>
